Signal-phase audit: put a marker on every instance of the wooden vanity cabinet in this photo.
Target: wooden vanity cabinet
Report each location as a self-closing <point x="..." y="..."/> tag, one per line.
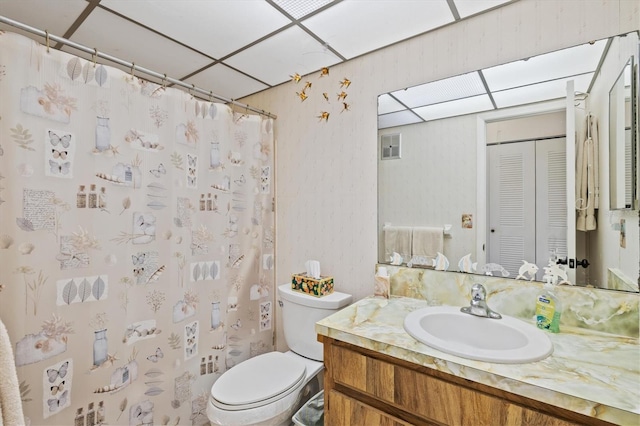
<point x="366" y="388"/>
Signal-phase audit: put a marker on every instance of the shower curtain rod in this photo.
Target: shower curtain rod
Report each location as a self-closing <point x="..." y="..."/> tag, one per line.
<point x="130" y="65"/>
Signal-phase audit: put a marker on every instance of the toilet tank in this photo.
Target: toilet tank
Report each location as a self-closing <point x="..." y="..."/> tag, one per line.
<point x="300" y="312"/>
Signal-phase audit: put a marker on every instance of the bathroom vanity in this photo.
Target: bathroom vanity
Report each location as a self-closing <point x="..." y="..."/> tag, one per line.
<point x="377" y="374"/>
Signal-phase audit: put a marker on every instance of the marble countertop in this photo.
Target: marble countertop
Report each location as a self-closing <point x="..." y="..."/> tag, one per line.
<point x="589" y="372"/>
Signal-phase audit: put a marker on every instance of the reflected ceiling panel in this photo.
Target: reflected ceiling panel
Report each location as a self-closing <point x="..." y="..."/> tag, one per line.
<point x="397" y="119"/>
<point x="453" y="108"/>
<point x="448" y="89"/>
<point x="387" y="104"/>
<point x="548" y="90"/>
<point x="550" y="66"/>
<point x="536" y="79"/>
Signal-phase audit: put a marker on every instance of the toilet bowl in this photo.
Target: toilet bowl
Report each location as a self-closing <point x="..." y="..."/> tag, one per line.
<point x="266" y="390"/>
<point x="269" y="388"/>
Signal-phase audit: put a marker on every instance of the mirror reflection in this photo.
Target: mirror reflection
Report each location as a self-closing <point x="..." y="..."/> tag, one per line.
<point x="483" y="172"/>
<point x="621" y="150"/>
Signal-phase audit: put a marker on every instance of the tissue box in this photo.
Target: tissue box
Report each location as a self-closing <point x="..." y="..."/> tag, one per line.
<point x="312" y="286"/>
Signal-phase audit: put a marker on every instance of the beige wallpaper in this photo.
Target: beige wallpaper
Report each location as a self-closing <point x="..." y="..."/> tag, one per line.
<point x="327" y="179"/>
<point x="136" y="240"/>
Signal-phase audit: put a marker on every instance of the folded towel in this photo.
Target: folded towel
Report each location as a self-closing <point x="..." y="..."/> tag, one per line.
<point x="397" y="239"/>
<point x="427" y="242"/>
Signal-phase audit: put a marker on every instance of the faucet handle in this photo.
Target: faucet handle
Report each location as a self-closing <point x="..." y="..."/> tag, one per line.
<point x="478" y="292"/>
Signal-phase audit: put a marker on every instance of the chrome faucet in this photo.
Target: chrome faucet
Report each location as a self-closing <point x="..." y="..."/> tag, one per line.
<point x="478" y="305"/>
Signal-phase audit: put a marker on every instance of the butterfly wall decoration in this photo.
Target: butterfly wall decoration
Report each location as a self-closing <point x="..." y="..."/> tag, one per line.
<point x="303" y="95"/>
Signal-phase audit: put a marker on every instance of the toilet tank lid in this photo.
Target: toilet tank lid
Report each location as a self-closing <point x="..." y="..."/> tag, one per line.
<point x="335" y="300"/>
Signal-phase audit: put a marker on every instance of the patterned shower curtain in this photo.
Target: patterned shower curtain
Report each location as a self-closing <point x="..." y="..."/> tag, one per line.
<point x="136" y="240"/>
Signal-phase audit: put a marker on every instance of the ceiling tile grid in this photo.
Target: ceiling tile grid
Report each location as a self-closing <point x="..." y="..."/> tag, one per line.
<point x="236" y="48"/>
<point x="123" y="39"/>
<point x="215" y="28"/>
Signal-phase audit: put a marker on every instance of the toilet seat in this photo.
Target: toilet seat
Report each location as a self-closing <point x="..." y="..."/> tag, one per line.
<point x="270" y="376"/>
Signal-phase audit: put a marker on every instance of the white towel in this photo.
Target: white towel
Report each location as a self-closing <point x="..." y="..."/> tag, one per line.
<point x="397" y="239"/>
<point x="10" y="401"/>
<point x="427" y="242"/>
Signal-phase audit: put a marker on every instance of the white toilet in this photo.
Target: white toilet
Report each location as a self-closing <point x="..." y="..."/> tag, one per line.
<point x="269" y="388"/>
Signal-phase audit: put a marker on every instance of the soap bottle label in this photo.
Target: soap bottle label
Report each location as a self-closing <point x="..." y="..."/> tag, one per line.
<point x="547" y="317"/>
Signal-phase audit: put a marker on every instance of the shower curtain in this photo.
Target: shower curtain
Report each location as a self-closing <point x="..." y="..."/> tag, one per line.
<point x="136" y="240"/>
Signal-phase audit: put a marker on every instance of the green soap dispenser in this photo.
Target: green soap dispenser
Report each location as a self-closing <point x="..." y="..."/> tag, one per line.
<point x="548" y="309"/>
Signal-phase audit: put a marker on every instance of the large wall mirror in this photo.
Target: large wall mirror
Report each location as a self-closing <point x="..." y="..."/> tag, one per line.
<point x="511" y="163"/>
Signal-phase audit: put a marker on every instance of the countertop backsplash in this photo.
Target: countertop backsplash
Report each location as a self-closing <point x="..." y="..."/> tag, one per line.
<point x="600" y="310"/>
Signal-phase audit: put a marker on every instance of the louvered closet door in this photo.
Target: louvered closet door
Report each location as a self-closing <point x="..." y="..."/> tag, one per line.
<point x="551" y="200"/>
<point x="511" y="204"/>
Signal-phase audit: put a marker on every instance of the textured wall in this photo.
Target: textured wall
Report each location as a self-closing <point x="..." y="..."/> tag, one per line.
<point x="327" y="171"/>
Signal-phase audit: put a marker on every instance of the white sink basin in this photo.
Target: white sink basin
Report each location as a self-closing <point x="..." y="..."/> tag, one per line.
<point x="507" y="340"/>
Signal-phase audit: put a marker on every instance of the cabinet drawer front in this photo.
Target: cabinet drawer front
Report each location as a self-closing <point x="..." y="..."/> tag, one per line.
<point x="362" y="373"/>
<point x="346" y="411"/>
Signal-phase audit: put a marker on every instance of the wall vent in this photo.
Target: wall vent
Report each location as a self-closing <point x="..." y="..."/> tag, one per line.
<point x="390" y="146"/>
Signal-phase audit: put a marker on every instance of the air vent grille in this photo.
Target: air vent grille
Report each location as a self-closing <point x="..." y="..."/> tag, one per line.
<point x="390" y="146"/>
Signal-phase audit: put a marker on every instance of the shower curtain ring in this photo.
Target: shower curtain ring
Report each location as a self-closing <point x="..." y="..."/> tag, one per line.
<point x="46" y="34"/>
<point x="210" y="95"/>
<point x="133" y="68"/>
<point x="164" y="81"/>
<point x="95" y="56"/>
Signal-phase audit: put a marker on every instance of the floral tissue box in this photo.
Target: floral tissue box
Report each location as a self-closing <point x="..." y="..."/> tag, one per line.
<point x="312" y="286"/>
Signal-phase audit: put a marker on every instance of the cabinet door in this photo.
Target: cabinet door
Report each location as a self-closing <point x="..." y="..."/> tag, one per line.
<point x="345" y="411"/>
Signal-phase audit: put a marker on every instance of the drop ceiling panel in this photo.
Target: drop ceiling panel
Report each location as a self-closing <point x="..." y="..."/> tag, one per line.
<point x="226" y="82"/>
<point x="54" y="16"/>
<point x="444" y="90"/>
<point x="387" y="104"/>
<point x="471" y="7"/>
<point x="300" y="8"/>
<point x="129" y="42"/>
<point x="559" y="64"/>
<point x="397" y="119"/>
<point x="291" y="51"/>
<point x="457" y="107"/>
<point x="215" y="28"/>
<point x="354" y="27"/>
